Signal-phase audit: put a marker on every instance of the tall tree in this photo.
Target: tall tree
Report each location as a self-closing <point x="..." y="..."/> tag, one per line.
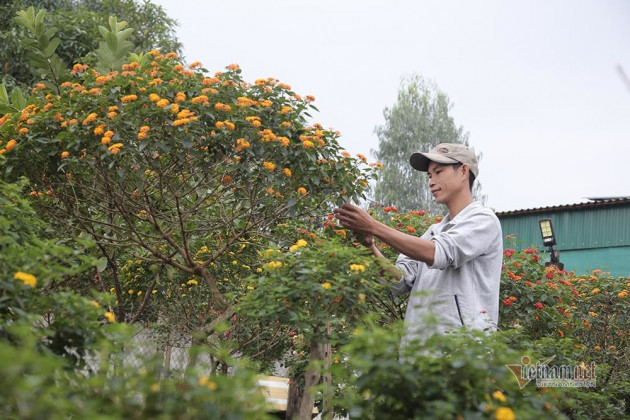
<point x="418" y="121"/>
<point x="76" y="23"/>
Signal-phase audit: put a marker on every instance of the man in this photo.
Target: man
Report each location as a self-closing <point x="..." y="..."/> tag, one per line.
<point x="457" y="262"/>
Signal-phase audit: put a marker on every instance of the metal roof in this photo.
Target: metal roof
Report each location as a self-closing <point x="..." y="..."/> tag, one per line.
<point x="595" y="202"/>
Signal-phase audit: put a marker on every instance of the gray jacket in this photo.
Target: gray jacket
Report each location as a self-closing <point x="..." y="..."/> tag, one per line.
<point x="462" y="286"/>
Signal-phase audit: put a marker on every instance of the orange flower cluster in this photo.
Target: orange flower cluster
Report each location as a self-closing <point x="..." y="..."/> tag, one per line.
<point x="219" y="106"/>
<point x="143" y="132"/>
<point x="225" y="124"/>
<point x="115" y="148"/>
<point x="180" y="97"/>
<point x="79" y="68"/>
<point x="509" y="301"/>
<point x="90" y="118"/>
<point x="254" y="120"/>
<point x="241" y="144"/>
<point x="107" y="138"/>
<point x="128" y="98"/>
<point x="184" y="117"/>
<point x="210" y="81"/>
<point x="131" y="66"/>
<point x="242" y="101"/>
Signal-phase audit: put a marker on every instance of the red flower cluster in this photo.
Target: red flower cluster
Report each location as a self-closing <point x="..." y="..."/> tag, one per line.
<point x="509" y="301"/>
<point x="390" y="208"/>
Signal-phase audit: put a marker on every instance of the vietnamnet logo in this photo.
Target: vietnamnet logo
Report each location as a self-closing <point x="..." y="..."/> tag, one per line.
<point x="547" y="375"/>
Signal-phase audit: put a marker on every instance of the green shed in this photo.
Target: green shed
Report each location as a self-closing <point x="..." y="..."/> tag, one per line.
<point x="590" y="235"/>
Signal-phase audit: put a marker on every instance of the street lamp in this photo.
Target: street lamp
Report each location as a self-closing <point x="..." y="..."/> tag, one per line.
<point x="549" y="240"/>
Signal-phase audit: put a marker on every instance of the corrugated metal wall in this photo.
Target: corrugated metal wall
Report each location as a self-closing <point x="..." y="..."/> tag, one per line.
<point x="598" y="227"/>
<point x="587" y="237"/>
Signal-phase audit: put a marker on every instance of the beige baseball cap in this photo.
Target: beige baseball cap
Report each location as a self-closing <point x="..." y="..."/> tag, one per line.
<point x="447" y="153"/>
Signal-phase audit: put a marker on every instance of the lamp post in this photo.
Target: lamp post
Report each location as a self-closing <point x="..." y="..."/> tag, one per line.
<point x="549" y="240"/>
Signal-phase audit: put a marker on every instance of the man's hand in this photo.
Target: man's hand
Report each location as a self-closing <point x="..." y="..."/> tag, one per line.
<point x="365" y="239"/>
<point x="353" y="218"/>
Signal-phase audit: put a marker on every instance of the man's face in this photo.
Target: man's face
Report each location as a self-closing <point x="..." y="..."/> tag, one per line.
<point x="446" y="182"/>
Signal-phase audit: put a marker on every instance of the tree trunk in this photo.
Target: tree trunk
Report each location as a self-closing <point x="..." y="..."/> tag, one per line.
<point x="293" y="399"/>
<point x="311" y="379"/>
<point x="327" y="406"/>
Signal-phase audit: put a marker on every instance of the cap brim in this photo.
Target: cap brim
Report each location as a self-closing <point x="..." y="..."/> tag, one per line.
<point x="420" y="161"/>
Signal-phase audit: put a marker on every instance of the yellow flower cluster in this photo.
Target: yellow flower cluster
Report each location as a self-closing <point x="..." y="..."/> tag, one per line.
<point x="622" y="294"/>
<point x="272" y="265"/>
<point x="504" y="413"/>
<point x="326" y="285"/>
<point x="205" y="381"/>
<point x="301" y="243"/>
<point x="28" y="279"/>
<point x="357" y="268"/>
<point x="110" y="317"/>
<point x="269" y="166"/>
<point x="301" y="191"/>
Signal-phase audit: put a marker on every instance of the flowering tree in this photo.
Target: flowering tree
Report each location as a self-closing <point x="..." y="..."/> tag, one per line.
<point x="166" y="165"/>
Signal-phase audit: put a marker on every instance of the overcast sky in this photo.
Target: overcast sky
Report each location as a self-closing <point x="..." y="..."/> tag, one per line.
<point x="535" y="83"/>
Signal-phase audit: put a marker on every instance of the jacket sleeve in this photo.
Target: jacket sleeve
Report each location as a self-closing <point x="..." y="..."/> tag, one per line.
<point x="465" y="240"/>
<point x="411" y="270"/>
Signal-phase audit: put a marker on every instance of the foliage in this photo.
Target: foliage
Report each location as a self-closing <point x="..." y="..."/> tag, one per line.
<point x="588" y="312"/>
<point x="34" y="384"/>
<point x="418" y="121"/>
<point x="458" y="375"/>
<point x="77" y="24"/>
<point x="59" y="351"/>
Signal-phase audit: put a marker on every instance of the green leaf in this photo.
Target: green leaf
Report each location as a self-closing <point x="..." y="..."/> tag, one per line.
<point x="52" y="46"/>
<point x="101" y="264"/>
<point x="4" y="96"/>
<point x="18" y="99"/>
